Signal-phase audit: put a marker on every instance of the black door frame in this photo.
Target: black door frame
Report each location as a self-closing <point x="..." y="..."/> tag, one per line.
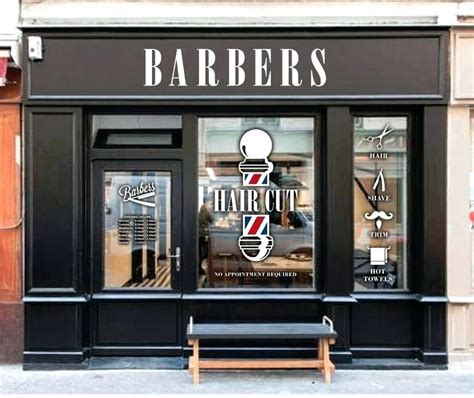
<point x="101" y="166"/>
<point x="100" y="295"/>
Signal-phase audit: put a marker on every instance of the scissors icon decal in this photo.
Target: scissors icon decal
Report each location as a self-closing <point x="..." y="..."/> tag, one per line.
<point x="380" y="137"/>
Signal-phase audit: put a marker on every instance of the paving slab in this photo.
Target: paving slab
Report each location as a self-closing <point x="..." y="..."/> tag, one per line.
<point x="457" y="379"/>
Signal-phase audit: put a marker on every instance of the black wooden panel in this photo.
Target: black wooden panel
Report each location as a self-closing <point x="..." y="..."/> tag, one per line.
<point x="432" y="327"/>
<point x="338" y="219"/>
<point x="136" y="323"/>
<point x="340" y="315"/>
<point x="235" y="311"/>
<point x="53" y="199"/>
<point x="357" y="64"/>
<point x="433" y="267"/>
<point x="53" y="327"/>
<point x="382" y="323"/>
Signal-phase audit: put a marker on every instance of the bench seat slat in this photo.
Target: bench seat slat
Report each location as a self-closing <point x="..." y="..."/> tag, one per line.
<point x="260" y="331"/>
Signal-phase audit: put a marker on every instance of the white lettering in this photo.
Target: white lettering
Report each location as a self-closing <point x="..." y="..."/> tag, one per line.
<point x="178" y="70"/>
<point x="318" y="66"/>
<point x="261" y="67"/>
<point x="289" y="60"/>
<point x="207" y="75"/>
<point x="152" y="72"/>
<point x="236" y="72"/>
<point x="219" y="200"/>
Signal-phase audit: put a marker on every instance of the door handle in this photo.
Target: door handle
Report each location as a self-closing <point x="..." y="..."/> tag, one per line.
<point x="177" y="256"/>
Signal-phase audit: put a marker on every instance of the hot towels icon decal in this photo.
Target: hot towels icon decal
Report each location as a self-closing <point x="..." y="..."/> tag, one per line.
<point x="256" y="145"/>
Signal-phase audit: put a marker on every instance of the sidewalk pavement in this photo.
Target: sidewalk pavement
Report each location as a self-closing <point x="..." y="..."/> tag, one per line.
<point x="458" y="379"/>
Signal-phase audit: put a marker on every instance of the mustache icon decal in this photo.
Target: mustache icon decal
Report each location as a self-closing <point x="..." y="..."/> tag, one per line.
<point x="379" y="216"/>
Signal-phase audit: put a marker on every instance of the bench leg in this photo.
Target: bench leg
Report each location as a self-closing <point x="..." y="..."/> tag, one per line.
<point x="320" y="349"/>
<point x="190" y="365"/>
<point x="195" y="361"/>
<point x="326" y="361"/>
<point x="190" y="361"/>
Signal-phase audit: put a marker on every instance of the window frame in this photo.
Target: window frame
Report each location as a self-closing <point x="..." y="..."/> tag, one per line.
<point x="318" y="208"/>
<point x="414" y="146"/>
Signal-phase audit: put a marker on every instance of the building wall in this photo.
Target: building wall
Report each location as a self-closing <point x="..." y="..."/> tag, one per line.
<point x="460" y="275"/>
<point x="11" y="308"/>
<point x="460" y="235"/>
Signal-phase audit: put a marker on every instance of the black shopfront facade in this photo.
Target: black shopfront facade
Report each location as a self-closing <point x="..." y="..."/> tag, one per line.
<point x="155" y="159"/>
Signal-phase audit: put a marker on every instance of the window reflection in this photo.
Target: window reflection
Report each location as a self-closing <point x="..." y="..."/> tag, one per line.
<point x="291" y="228"/>
<point x="380" y="203"/>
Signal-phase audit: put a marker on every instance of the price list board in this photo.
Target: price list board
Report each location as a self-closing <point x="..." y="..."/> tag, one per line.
<point x="139" y="228"/>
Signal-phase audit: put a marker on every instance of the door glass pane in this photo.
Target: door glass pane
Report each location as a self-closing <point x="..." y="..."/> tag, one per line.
<point x="137" y="236"/>
<point x="380" y="203"/>
<point x="256" y="202"/>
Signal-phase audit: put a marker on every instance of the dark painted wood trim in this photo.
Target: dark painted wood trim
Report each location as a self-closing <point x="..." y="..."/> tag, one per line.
<point x="55" y="299"/>
<point x="384" y="352"/>
<point x="431" y="325"/>
<point x="338" y="217"/>
<point x="433" y="358"/>
<point x="241" y="296"/>
<point x="233" y="103"/>
<point x="98" y="167"/>
<point x="433" y="265"/>
<point x="338" y="299"/>
<point x="190" y="202"/>
<point x="127" y="295"/>
<point x="340" y="314"/>
<point x="53" y="356"/>
<point x="175" y="351"/>
<point x="77" y="204"/>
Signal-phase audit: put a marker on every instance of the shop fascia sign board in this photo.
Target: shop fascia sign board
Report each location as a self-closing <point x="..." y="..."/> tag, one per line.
<point x="229" y="66"/>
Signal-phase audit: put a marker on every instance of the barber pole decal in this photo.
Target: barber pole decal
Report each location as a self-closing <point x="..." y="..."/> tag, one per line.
<point x="256" y="242"/>
<point x="255" y="179"/>
<point x="256" y="145"/>
<point x="256" y="225"/>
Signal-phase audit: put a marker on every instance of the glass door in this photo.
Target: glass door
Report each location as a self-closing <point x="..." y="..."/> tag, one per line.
<point x="137" y="226"/>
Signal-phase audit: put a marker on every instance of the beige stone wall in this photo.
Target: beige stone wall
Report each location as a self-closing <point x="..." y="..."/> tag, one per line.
<point x="460" y="238"/>
<point x="246" y="13"/>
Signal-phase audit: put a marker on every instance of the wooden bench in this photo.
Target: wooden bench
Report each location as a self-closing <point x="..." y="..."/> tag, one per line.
<point x="322" y="332"/>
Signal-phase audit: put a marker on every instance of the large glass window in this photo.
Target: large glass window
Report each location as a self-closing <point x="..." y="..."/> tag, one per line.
<point x="256" y="202"/>
<point x="380" y="203"/>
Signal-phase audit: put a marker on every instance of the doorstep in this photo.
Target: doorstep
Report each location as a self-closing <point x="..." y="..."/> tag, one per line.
<point x="389" y="364"/>
<point x="173" y="363"/>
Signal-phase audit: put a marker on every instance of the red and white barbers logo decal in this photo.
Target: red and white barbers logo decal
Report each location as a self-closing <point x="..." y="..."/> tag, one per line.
<point x="255" y="225"/>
